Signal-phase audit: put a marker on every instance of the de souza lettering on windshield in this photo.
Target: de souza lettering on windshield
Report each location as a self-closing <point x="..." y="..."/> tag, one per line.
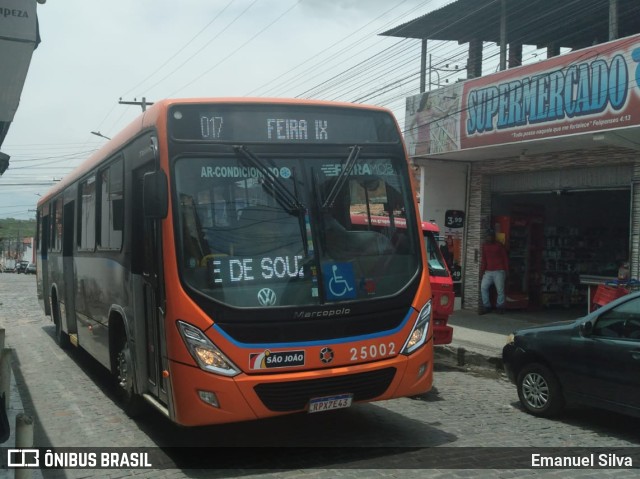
<point x="231" y="270"/>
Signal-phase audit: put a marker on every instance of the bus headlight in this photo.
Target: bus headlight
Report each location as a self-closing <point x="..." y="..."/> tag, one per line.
<point x="419" y="332"/>
<point x="205" y="353"/>
<point x="444" y="300"/>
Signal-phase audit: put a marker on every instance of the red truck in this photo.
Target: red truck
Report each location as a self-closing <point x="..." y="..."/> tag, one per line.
<point x="439" y="274"/>
<point x="441" y="285"/>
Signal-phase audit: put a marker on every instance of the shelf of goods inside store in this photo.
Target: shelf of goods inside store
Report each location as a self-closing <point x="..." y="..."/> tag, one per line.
<point x="562" y="262"/>
<point x="558" y="292"/>
<point x="592" y="250"/>
<point x="518" y="258"/>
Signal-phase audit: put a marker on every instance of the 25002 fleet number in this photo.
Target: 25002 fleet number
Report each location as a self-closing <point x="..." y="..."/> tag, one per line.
<point x="373" y="351"/>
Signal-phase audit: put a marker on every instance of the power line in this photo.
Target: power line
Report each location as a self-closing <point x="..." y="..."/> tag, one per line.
<point x="253" y="37"/>
<point x="240" y="15"/>
<point x="181" y="49"/>
<point x="74" y="155"/>
<point x="399" y="79"/>
<point x="320" y="66"/>
<point x="317" y="55"/>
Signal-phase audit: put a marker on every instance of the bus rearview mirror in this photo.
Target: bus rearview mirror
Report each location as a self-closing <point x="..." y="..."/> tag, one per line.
<point x="155" y="195"/>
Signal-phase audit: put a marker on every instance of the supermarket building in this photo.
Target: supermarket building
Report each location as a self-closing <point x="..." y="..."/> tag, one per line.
<point x="546" y="154"/>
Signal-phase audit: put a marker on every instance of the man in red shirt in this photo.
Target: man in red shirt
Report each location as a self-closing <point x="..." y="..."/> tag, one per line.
<point x="493" y="270"/>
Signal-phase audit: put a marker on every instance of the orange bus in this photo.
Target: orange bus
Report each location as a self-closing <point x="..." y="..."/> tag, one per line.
<point x="439" y="274"/>
<point x="206" y="257"/>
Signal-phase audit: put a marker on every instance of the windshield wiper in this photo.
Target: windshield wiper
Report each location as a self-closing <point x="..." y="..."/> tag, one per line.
<point x="280" y="192"/>
<point x="287" y="200"/>
<point x="342" y="177"/>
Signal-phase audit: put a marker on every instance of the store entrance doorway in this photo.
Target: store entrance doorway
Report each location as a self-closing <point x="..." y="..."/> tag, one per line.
<point x="555" y="238"/>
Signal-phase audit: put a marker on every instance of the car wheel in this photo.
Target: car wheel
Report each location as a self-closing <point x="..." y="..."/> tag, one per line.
<point x="132" y="403"/>
<point x="539" y="390"/>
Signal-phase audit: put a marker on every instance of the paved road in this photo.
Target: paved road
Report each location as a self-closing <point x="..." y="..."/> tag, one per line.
<point x="71" y="400"/>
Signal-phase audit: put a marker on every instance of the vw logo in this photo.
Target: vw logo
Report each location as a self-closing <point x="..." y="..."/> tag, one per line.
<point x="266" y="297"/>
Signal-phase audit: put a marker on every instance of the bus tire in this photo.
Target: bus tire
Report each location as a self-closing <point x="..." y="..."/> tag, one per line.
<point x="131" y="401"/>
<point x="62" y="338"/>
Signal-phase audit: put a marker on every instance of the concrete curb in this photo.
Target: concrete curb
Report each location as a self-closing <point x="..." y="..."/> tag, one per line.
<point x="458" y="356"/>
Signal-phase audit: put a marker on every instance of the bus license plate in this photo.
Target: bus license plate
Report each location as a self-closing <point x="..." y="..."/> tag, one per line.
<point x="328" y="403"/>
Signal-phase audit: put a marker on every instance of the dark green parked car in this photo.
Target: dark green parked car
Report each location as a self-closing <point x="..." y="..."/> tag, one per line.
<point x="594" y="361"/>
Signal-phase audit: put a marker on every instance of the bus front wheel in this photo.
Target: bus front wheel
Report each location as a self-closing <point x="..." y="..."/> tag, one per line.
<point x="130" y="399"/>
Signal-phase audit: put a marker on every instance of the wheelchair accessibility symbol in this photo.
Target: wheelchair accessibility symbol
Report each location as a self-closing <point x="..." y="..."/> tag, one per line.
<point x="339" y="281"/>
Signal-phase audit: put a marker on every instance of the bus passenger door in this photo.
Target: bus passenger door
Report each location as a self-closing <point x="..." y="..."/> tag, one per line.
<point x="42" y="261"/>
<point x="68" y="310"/>
<point x="147" y="247"/>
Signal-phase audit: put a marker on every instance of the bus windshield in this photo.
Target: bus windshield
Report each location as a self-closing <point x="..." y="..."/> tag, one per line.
<point x="277" y="231"/>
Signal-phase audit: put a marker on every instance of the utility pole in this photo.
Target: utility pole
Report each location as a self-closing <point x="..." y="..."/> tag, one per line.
<point x="18" y="247"/>
<point x="144" y="103"/>
<point x="423" y="66"/>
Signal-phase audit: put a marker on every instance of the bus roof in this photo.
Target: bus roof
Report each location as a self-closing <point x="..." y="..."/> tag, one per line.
<point x="156" y="115"/>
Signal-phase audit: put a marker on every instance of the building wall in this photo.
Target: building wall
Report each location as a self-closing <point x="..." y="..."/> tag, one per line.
<point x="443" y="187"/>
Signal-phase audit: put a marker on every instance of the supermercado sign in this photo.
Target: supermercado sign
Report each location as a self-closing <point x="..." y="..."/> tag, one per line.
<point x="588" y="90"/>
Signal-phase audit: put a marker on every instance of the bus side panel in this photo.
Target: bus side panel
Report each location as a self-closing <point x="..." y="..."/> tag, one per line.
<point x="101" y="285"/>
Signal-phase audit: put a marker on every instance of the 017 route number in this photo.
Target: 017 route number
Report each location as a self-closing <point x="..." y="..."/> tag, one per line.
<point x="372" y="351"/>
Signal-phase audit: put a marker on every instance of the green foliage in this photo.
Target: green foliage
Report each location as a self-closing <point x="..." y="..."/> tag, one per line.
<point x="11" y="229"/>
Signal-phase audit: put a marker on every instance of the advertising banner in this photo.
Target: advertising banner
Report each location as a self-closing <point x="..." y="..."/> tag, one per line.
<point x="589" y="90"/>
<point x="18" y="39"/>
<point x="433" y="121"/>
<point x="18" y="20"/>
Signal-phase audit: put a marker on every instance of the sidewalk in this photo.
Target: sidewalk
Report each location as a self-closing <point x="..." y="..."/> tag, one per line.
<point x="478" y="340"/>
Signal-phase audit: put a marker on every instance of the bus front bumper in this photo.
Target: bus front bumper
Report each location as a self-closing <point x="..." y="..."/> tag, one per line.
<point x="248" y="397"/>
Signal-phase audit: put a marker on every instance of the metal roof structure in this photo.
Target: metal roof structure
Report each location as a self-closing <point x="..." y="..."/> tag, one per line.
<point x="571" y="24"/>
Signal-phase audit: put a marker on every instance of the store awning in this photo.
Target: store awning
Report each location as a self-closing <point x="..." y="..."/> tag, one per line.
<point x="19" y="37"/>
<point x="571" y="24"/>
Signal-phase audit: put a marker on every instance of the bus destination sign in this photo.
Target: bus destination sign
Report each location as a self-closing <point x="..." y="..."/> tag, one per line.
<point x="278" y="124"/>
<point x="277" y="129"/>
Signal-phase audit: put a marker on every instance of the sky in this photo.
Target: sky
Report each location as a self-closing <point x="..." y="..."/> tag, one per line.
<point x="94" y="53"/>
